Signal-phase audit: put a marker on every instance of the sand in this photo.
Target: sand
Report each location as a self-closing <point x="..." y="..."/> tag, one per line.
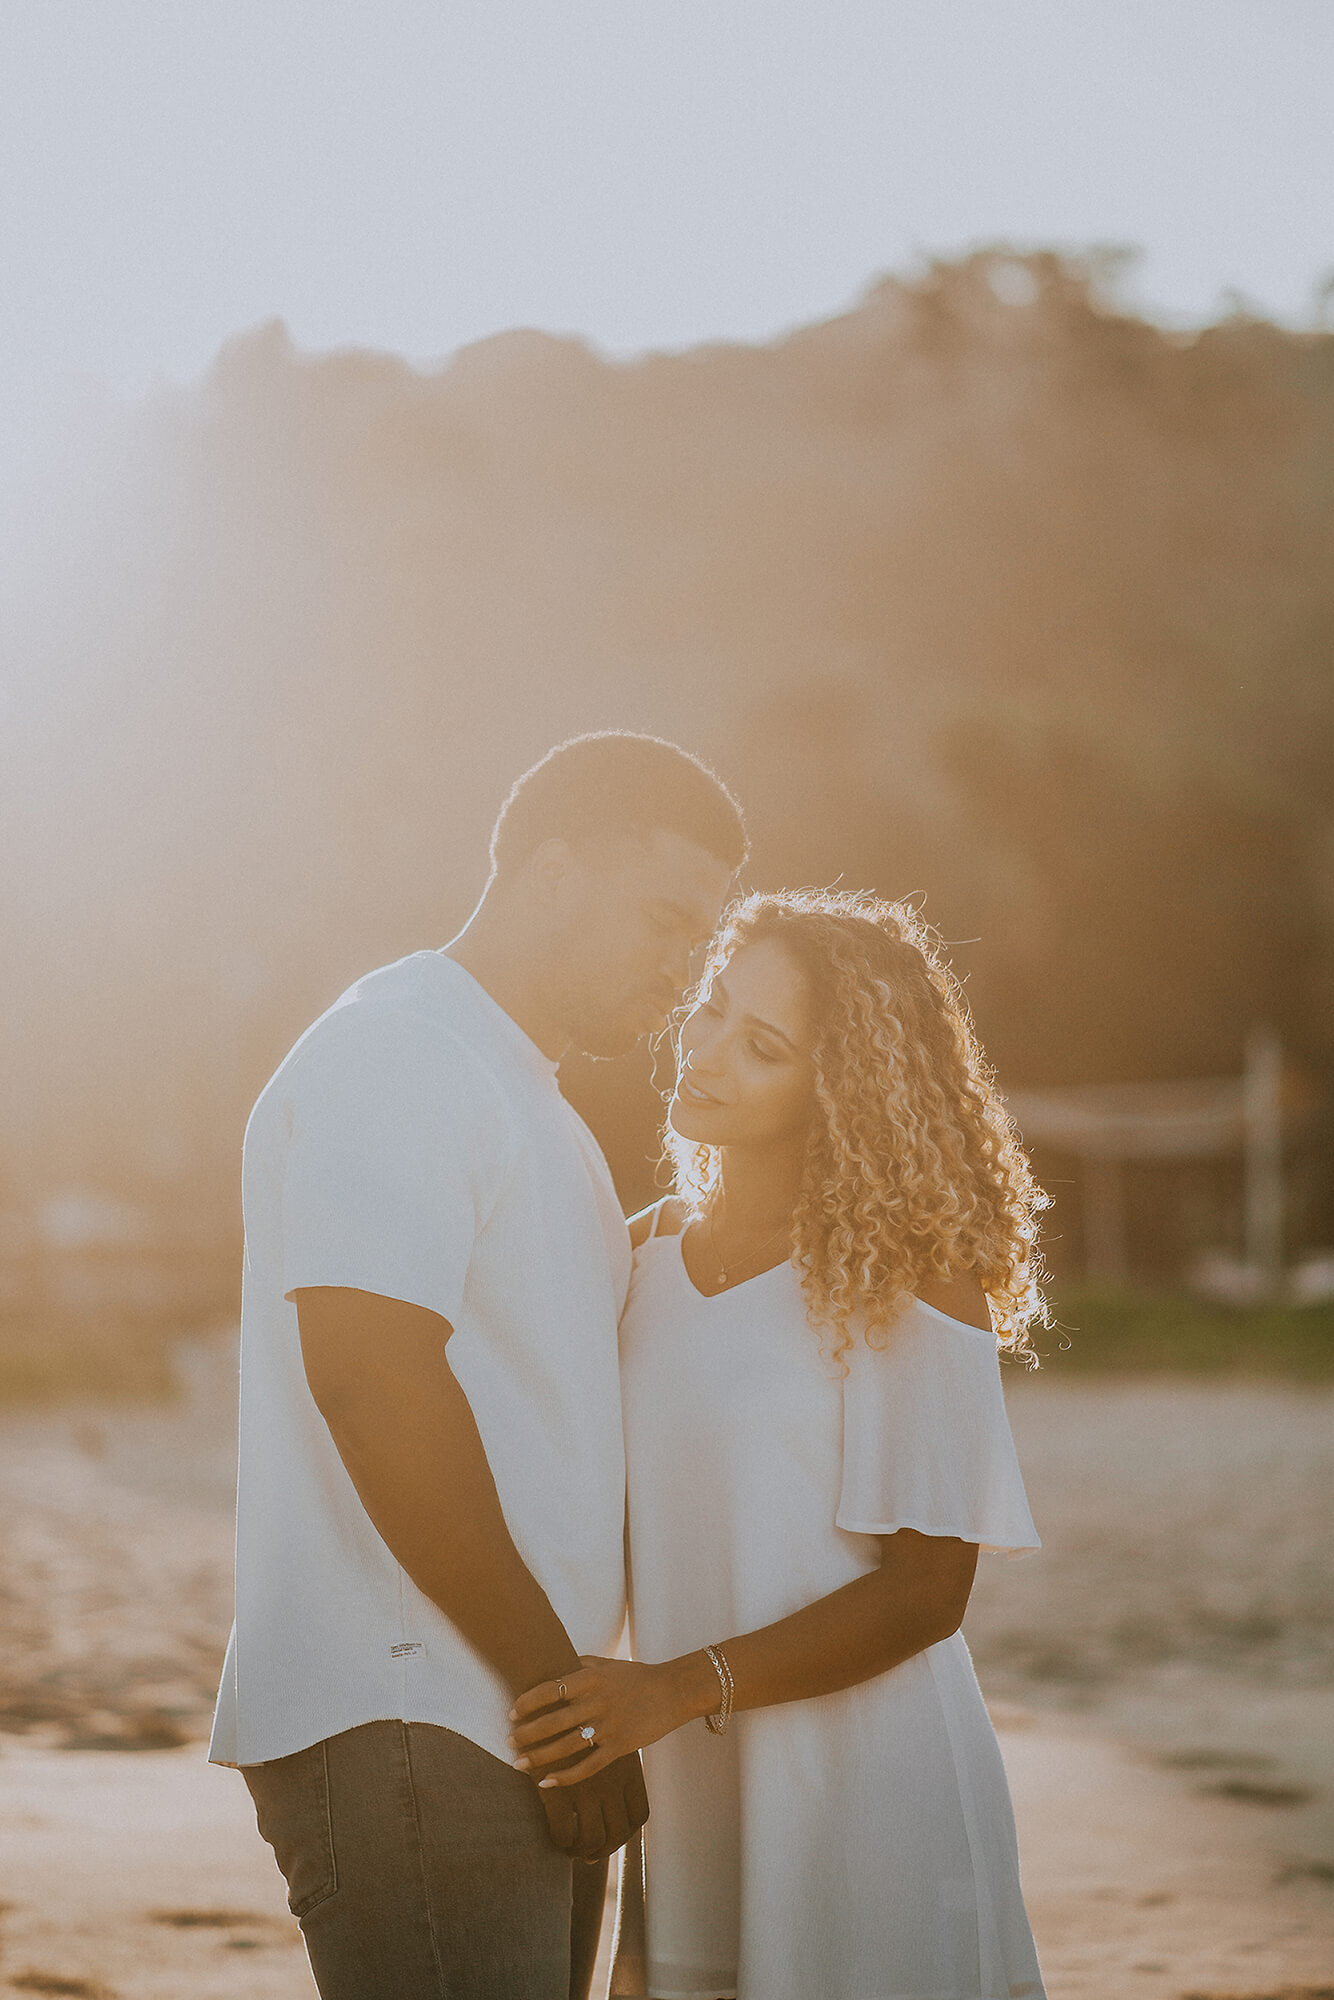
<point x="1161" y="1678"/>
<point x="141" y="1874"/>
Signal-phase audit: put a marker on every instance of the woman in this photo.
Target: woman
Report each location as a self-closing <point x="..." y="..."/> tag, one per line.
<point x="817" y="1448"/>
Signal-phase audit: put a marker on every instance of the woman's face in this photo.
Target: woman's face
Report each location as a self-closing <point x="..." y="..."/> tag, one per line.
<point x="745" y="1076"/>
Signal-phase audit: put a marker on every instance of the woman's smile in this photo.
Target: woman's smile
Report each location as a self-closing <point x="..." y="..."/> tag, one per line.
<point x="747" y="1032"/>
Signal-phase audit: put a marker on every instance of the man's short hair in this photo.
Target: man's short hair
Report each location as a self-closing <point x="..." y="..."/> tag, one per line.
<point x="617" y="782"/>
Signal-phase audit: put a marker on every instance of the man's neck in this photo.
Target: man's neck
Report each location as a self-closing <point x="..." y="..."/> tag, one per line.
<point x="499" y="960"/>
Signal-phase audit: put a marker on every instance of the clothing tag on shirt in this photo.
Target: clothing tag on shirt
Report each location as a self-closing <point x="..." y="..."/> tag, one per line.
<point x="408" y="1649"/>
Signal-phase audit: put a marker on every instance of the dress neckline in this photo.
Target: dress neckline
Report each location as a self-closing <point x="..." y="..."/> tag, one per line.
<point x="678" y="1237"/>
<point x="707" y="1298"/>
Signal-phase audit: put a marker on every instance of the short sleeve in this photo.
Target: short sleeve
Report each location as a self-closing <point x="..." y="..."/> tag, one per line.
<point x="926" y="1440"/>
<point x="396" y="1153"/>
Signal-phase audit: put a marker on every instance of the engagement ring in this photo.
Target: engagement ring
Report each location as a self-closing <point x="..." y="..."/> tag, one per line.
<point x="588" y="1733"/>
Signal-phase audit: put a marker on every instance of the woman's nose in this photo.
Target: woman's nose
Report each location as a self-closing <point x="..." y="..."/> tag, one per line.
<point x="706" y="1057"/>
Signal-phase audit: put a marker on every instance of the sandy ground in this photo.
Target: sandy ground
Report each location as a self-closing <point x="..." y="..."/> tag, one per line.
<point x="141" y="1874"/>
<point x="1162" y="1677"/>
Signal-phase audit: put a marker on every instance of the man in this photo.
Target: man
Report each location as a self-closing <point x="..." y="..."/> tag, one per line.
<point x="431" y="1491"/>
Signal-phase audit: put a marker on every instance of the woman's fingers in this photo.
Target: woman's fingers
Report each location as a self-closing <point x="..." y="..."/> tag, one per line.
<point x="550" y="1693"/>
<point x="571" y="1744"/>
<point x="544" y="1728"/>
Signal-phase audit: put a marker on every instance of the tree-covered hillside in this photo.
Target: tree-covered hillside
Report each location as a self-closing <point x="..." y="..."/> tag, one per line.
<point x="987" y="590"/>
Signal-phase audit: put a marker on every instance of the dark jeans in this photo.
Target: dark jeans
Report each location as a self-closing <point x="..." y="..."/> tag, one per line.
<point x="420" y="1868"/>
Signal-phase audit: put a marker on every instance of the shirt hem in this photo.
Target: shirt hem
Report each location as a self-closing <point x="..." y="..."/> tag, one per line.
<point x="239" y="1763"/>
<point x="923" y="1528"/>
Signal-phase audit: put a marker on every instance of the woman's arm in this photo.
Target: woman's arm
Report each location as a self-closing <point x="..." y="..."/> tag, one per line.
<point x="916" y="1597"/>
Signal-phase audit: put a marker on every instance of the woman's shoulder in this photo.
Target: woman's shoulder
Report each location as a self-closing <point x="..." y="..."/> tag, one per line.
<point x="667" y="1217"/>
<point x="961" y="1299"/>
<point x="942" y="1329"/>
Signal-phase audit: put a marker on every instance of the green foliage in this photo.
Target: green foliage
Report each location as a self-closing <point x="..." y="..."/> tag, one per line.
<point x="993" y="593"/>
<point x="1129" y="1333"/>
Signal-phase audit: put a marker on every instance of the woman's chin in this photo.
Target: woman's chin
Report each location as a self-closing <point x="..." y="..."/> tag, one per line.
<point x="688" y="1122"/>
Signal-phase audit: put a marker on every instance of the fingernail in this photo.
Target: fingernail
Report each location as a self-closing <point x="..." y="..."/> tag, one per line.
<point x="545" y="1784"/>
<point x="513" y="1715"/>
<point x="521" y="1763"/>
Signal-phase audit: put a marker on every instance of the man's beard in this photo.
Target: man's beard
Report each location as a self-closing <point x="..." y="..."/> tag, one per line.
<point x="604" y="1036"/>
<point x="606" y="1048"/>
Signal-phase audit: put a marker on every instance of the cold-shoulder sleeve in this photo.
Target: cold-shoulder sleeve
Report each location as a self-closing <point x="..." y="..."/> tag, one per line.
<point x="926" y="1440"/>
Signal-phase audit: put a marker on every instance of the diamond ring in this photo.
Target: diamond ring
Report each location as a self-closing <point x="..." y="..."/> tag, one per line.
<point x="588" y="1733"/>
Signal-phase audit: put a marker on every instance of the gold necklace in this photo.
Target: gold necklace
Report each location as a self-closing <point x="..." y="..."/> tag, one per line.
<point x="783" y="1229"/>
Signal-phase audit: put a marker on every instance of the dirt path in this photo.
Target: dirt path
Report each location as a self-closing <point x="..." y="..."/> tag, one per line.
<point x="138" y="1874"/>
<point x="1142" y="1887"/>
<point x="142" y="1875"/>
<point x="1161" y="1674"/>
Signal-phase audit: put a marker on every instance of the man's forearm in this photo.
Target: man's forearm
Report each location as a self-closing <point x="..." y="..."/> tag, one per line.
<point x="438" y="1512"/>
<point x="406" y="1434"/>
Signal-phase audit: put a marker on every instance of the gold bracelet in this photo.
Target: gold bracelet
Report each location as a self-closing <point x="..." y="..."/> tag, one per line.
<point x="718" y="1660"/>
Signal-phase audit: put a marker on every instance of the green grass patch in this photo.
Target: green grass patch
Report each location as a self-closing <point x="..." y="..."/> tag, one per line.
<point x="1101" y="1332"/>
<point x="129" y="1358"/>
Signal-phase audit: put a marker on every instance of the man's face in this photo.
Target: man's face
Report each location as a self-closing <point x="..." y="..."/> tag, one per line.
<point x="632" y="913"/>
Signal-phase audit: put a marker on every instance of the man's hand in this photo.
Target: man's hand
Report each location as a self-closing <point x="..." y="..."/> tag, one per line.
<point x="592" y="1819"/>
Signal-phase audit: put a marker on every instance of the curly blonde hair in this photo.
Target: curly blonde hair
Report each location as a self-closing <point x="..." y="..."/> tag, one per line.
<point x="913" y="1168"/>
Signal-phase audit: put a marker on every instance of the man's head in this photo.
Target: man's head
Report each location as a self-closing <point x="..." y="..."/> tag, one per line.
<point x="618" y="850"/>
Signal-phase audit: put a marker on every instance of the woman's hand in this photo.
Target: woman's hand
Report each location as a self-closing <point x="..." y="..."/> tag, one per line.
<point x="626" y="1704"/>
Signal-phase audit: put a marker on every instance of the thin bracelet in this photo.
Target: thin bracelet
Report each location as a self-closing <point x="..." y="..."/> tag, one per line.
<point x="718" y="1660"/>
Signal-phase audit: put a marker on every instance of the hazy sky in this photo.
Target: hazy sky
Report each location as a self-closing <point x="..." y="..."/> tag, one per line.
<point x="411" y="176"/>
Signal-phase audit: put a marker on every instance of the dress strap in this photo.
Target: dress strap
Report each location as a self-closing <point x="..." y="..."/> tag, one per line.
<point x="659" y="1212"/>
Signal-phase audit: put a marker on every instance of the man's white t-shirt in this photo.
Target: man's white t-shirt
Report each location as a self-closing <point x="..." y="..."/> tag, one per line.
<point x="414" y="1143"/>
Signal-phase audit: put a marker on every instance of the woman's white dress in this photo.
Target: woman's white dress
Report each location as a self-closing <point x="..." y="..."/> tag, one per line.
<point x="858" y="1846"/>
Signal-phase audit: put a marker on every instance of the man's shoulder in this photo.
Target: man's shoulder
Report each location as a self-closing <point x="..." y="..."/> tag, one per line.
<point x="400" y="998"/>
<point x="390" y="1027"/>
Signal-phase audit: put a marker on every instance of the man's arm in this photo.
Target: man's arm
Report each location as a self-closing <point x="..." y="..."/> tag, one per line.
<point x="380" y="1377"/>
